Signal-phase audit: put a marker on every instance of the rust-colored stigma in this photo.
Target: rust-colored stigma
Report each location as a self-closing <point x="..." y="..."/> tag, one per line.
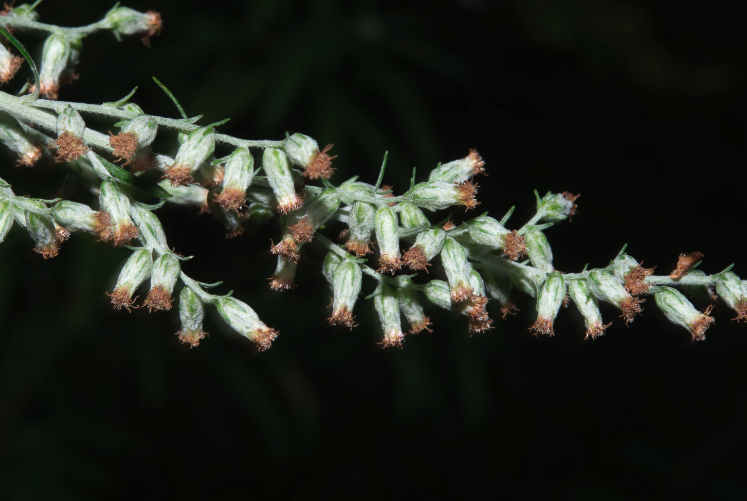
<point x="421" y="325"/>
<point x="321" y="165"/>
<point x="514" y="245"/>
<point x="125" y="233"/>
<point x="288" y="248"/>
<point x="685" y="263"/>
<point x="124" y="144"/>
<point x="29" y="158"/>
<point x="48" y="251"/>
<point x="571" y="198"/>
<point x="461" y="293"/>
<point x="389" y="264"/>
<point x="542" y="326"/>
<point x="158" y="299"/>
<point x="596" y="330"/>
<point x="467" y="192"/>
<point x="393" y="339"/>
<point x="635" y="280"/>
<point x="343" y="317"/>
<point x="415" y="259"/>
<point x="479" y="321"/>
<point x="281" y="283"/>
<point x="698" y="328"/>
<point x="121" y="299"/>
<point x="294" y="203"/>
<point x="631" y="307"/>
<point x="360" y="249"/>
<point x="302" y="231"/>
<point x="155" y="25"/>
<point x="478" y="164"/>
<point x="104" y="226"/>
<point x="263" y="337"/>
<point x="61" y="234"/>
<point x="192" y="338"/>
<point x="741" y="309"/>
<point x="448" y="225"/>
<point x="231" y="199"/>
<point x="508" y="309"/>
<point x="69" y="147"/>
<point x="178" y="175"/>
<point x="47" y="90"/>
<point x="10" y="69"/>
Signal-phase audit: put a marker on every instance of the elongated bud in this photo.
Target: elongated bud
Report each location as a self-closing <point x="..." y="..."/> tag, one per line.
<point x="123" y="21"/>
<point x="136" y="135"/>
<point x="241" y="318"/>
<point x="411" y="216"/>
<point x="151" y="231"/>
<point x="438" y="293"/>
<point x="191" y="314"/>
<point x="410" y="306"/>
<point x="69" y="142"/>
<point x="734" y="294"/>
<point x="76" y="217"/>
<point x="459" y="170"/>
<point x="607" y="288"/>
<point x="633" y="275"/>
<point x="285" y="274"/>
<point x="42" y="231"/>
<point x="9" y="64"/>
<point x="588" y="305"/>
<point x="538" y="248"/>
<point x="498" y="287"/>
<point x="56" y="54"/>
<point x="115" y="217"/>
<point x="237" y="178"/>
<point x="13" y="137"/>
<point x="361" y="224"/>
<point x="6" y="218"/>
<point x="680" y="311"/>
<point x="23" y="12"/>
<point x="347" y="281"/>
<point x="353" y="186"/>
<point x="488" y="232"/>
<point x="428" y="244"/>
<point x="475" y="306"/>
<point x="550" y="298"/>
<point x="165" y="273"/>
<point x="278" y="170"/>
<point x="437" y="195"/>
<point x="387" y="236"/>
<point x="454" y="260"/>
<point x="317" y="212"/>
<point x="198" y="147"/>
<point x="555" y="207"/>
<point x="70" y="122"/>
<point x="526" y="279"/>
<point x="135" y="271"/>
<point x="304" y="152"/>
<point x="387" y="306"/>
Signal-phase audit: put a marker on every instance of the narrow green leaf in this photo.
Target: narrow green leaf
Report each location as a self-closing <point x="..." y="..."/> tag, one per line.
<point x="216" y="124"/>
<point x="172" y="97"/>
<point x="117" y="104"/>
<point x="127" y="178"/>
<point x="25" y="54"/>
<point x="381" y="172"/>
<point x="507" y="216"/>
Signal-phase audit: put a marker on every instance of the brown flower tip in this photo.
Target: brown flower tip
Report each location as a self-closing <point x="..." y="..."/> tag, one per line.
<point x="281" y="283"/>
<point x="741" y="309"/>
<point x="698" y="328"/>
<point x="571" y="198"/>
<point x="415" y="259"/>
<point x="124" y="144"/>
<point x="343" y="317"/>
<point x="360" y="249"/>
<point x="155" y="25"/>
<point x="479" y="321"/>
<point x="685" y="263"/>
<point x="467" y="192"/>
<point x="389" y="264"/>
<point x="514" y="245"/>
<point x="7" y="9"/>
<point x="288" y="248"/>
<point x="121" y="299"/>
<point x="69" y="147"/>
<point x="104" y="226"/>
<point x="635" y="280"/>
<point x="178" y="175"/>
<point x="49" y="250"/>
<point x="394" y="339"/>
<point x="192" y="338"/>
<point x="10" y="69"/>
<point x="158" y="299"/>
<point x="61" y="233"/>
<point x="596" y="330"/>
<point x="29" y="158"/>
<point x="478" y="164"/>
<point x="125" y="233"/>
<point x="461" y="293"/>
<point x="630" y="308"/>
<point x="263" y="338"/>
<point x="448" y="225"/>
<point x="47" y="90"/>
<point x="291" y="204"/>
<point x="321" y="165"/>
<point x="508" y="309"/>
<point x="542" y="326"/>
<point x="302" y="231"/>
<point x="231" y="199"/>
<point x="421" y="325"/>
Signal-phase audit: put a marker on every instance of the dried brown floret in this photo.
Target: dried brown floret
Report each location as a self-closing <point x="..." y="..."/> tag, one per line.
<point x="8" y="7"/>
<point x="415" y="259"/>
<point x="420" y="326"/>
<point x="121" y="299"/>
<point x="264" y="338"/>
<point x="69" y="147"/>
<point x="571" y="198"/>
<point x="630" y="308"/>
<point x="302" y="231"/>
<point x="192" y="338"/>
<point x="288" y="248"/>
<point x="635" y="280"/>
<point x="479" y="321"/>
<point x="685" y="263"/>
<point x="467" y="192"/>
<point x="542" y="326"/>
<point x="461" y="293"/>
<point x="61" y="234"/>
<point x="104" y="226"/>
<point x="125" y="233"/>
<point x="47" y="90"/>
<point x="178" y="175"/>
<point x="343" y="317"/>
<point x="741" y="309"/>
<point x="393" y="340"/>
<point x="124" y="144"/>
<point x="389" y="264"/>
<point x="281" y="283"/>
<point x="155" y="25"/>
<point x="294" y="203"/>
<point x="29" y="158"/>
<point x="596" y="330"/>
<point x="478" y="164"/>
<point x="514" y="245"/>
<point x="508" y="309"/>
<point x="49" y="250"/>
<point x="10" y="69"/>
<point x="158" y="299"/>
<point x="321" y="165"/>
<point x="231" y="199"/>
<point x="698" y="328"/>
<point x="360" y="249"/>
<point x="448" y="225"/>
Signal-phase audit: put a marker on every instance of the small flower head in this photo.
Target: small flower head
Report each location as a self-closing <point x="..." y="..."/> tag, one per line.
<point x="115" y="210"/>
<point x="191" y="314"/>
<point x="287" y="248"/>
<point x="285" y="273"/>
<point x="136" y="135"/>
<point x="428" y="244"/>
<point x="238" y="176"/>
<point x="165" y="273"/>
<point x="550" y="299"/>
<point x="76" y="217"/>
<point x="410" y="306"/>
<point x="42" y="230"/>
<point x="538" y="248"/>
<point x="487" y="231"/>
<point x="12" y="136"/>
<point x="59" y="54"/>
<point x="454" y="260"/>
<point x="124" y="145"/>
<point x="192" y="154"/>
<point x="304" y="152"/>
<point x="387" y="306"/>
<point x="635" y="280"/>
<point x="9" y="64"/>
<point x="438" y="293"/>
<point x="556" y="207"/>
<point x="302" y="231"/>
<point x="136" y="270"/>
<point x="361" y="225"/>
<point x="279" y="175"/>
<point x="411" y="216"/>
<point x="514" y="245"/>
<point x="685" y="263"/>
<point x="415" y="259"/>
<point x="437" y="195"/>
<point x="476" y="309"/>
<point x="588" y="305"/>
<point x="123" y="21"/>
<point x="605" y="287"/>
<point x="241" y="318"/>
<point x="734" y="293"/>
<point x="387" y="235"/>
<point x="459" y="170"/>
<point x="680" y="311"/>
<point x="346" y="288"/>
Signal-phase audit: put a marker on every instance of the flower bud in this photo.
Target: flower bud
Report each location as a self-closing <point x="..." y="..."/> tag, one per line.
<point x="361" y="225"/>
<point x="454" y="260"/>
<point x="285" y="273"/>
<point x="69" y="142"/>
<point x="588" y="305"/>
<point x="555" y="207"/>
<point x="526" y="279"/>
<point x="411" y="216"/>
<point x="278" y="170"/>
<point x="70" y="122"/>
<point x="347" y="281"/>
<point x="191" y="194"/>
<point x="498" y="287"/>
<point x="321" y="208"/>
<point x="117" y="224"/>
<point x="151" y="231"/>
<point x="123" y="21"/>
<point x="607" y="288"/>
<point x="241" y="318"/>
<point x="538" y="248"/>
<point x="734" y="293"/>
<point x="550" y="298"/>
<point x="136" y="135"/>
<point x="428" y="244"/>
<point x="6" y="218"/>
<point x="680" y="311"/>
<point x="387" y="306"/>
<point x="475" y="306"/>
<point x="488" y="232"/>
<point x="58" y="54"/>
<point x="304" y="152"/>
<point x="191" y="314"/>
<point x="437" y="195"/>
<point x="409" y="305"/>
<point x="387" y="235"/>
<point x="42" y="230"/>
<point x="12" y="136"/>
<point x="165" y="273"/>
<point x="237" y="178"/>
<point x="76" y="217"/>
<point x="135" y="271"/>
<point x="24" y="12"/>
<point x="352" y="186"/>
<point x="191" y="156"/>
<point x="9" y="64"/>
<point x="633" y="275"/>
<point x="459" y="170"/>
<point x="438" y="293"/>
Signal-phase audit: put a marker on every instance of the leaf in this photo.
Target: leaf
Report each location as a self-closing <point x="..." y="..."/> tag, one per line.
<point x="117" y="104"/>
<point x="507" y="216"/>
<point x="381" y="172"/>
<point x="172" y="97"/>
<point x="25" y="54"/>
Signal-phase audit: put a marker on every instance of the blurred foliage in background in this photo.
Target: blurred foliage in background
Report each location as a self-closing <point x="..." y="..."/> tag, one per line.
<point x="639" y="107"/>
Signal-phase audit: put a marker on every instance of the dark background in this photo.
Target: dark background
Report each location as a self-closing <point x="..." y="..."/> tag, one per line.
<point x="638" y="106"/>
